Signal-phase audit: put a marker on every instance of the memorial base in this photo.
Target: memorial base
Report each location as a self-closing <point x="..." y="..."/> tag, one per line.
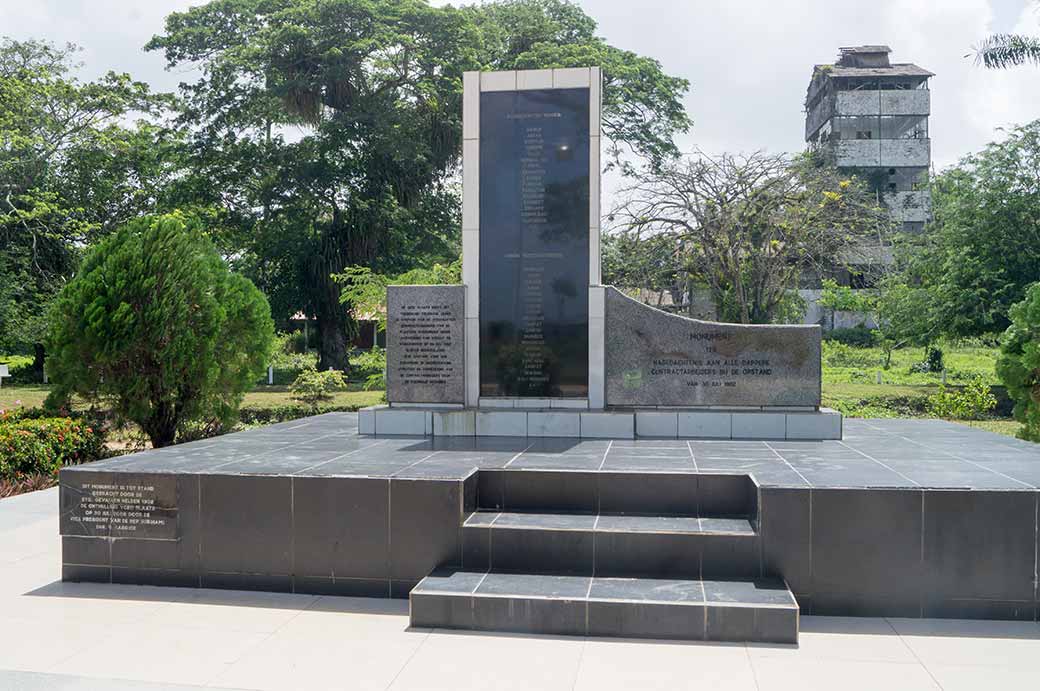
<point x="622" y="423"/>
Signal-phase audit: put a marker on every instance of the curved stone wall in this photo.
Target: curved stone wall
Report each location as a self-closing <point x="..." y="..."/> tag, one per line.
<point x="654" y="358"/>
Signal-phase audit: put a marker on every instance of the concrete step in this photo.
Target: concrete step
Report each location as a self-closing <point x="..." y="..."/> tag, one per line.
<point x="611" y="544"/>
<point x="636" y="492"/>
<point x="712" y="610"/>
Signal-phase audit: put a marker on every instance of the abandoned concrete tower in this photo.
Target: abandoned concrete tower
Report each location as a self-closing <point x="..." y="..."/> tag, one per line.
<point x="872" y="115"/>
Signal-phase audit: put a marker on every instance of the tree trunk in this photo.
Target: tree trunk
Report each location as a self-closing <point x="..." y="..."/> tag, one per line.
<point x="161" y="428"/>
<point x="335" y="328"/>
<point x="38" y="356"/>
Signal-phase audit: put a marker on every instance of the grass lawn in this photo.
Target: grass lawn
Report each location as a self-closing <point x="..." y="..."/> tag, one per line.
<point x="261" y="397"/>
<point x="849" y="385"/>
<point x="274" y="396"/>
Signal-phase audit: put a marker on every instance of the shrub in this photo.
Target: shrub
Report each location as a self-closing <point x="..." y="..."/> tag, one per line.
<point x="156" y="326"/>
<point x="934" y="361"/>
<point x="969" y="403"/>
<point x="43" y="445"/>
<point x="370" y="365"/>
<point x="313" y="387"/>
<point x="857" y="336"/>
<point x="1019" y="363"/>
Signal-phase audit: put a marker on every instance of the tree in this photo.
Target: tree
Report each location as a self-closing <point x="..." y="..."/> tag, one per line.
<point x="1001" y="51"/>
<point x="642" y="106"/>
<point x="71" y="170"/>
<point x="371" y="90"/>
<point x="330" y="132"/>
<point x="156" y="326"/>
<point x="648" y="263"/>
<point x="754" y="223"/>
<point x="1019" y="363"/>
<point x="983" y="247"/>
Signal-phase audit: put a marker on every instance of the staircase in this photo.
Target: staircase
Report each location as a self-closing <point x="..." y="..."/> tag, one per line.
<point x="655" y="555"/>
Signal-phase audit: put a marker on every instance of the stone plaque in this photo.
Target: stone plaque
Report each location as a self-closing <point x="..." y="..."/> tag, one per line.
<point x="534" y="243"/>
<point x="656" y="358"/>
<point x="424" y="344"/>
<point x="138" y="505"/>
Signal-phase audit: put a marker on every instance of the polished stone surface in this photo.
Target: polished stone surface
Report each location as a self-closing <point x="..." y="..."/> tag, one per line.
<point x="923" y="454"/>
<point x="534" y="243"/>
<point x="656" y="358"/>
<point x="425" y="342"/>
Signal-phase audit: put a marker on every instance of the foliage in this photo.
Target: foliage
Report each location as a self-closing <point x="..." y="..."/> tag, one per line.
<point x="1019" y="363"/>
<point x="370" y="365"/>
<point x="20" y="483"/>
<point x="838" y="354"/>
<point x="366" y="289"/>
<point x="633" y="260"/>
<point x="934" y="361"/>
<point x="983" y="248"/>
<point x="858" y="336"/>
<point x="313" y="387"/>
<point x="44" y="445"/>
<point x="71" y="170"/>
<point x="751" y="225"/>
<point x="328" y="133"/>
<point x="642" y="106"/>
<point x="372" y="92"/>
<point x="19" y="367"/>
<point x="969" y="403"/>
<point x="1001" y="51"/>
<point x="156" y="326"/>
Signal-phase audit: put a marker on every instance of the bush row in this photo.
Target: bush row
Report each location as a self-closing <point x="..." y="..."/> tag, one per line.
<point x="43" y="445"/>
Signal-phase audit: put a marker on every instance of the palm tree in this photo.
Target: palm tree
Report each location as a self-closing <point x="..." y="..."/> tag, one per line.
<point x="1001" y="51"/>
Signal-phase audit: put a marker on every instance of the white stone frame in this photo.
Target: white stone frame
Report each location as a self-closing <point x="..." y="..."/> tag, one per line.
<point x="473" y="83"/>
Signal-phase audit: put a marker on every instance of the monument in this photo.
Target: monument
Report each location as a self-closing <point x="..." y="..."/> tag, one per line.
<point x="531" y="343"/>
<point x="701" y="540"/>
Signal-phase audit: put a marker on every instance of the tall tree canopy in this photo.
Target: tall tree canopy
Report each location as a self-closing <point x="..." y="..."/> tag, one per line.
<point x="71" y="170"/>
<point x="330" y="130"/>
<point x="983" y="248"/>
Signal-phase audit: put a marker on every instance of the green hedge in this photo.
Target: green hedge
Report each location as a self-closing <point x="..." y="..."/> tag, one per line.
<point x="43" y="445"/>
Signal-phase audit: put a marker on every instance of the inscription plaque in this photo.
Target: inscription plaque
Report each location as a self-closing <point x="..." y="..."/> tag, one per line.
<point x="656" y="358"/>
<point x="534" y="243"/>
<point x="124" y="505"/>
<point x="424" y="341"/>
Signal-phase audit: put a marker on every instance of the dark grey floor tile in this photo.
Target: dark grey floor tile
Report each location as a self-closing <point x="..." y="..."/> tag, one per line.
<point x="649" y="524"/>
<point x="425" y="526"/>
<point x="341" y="527"/>
<point x="646" y="620"/>
<point x="541" y="550"/>
<point x="548" y="521"/>
<point x="451" y="581"/>
<point x="529" y="585"/>
<point x="647" y="589"/>
<point x="749" y="592"/>
<point x="668" y="493"/>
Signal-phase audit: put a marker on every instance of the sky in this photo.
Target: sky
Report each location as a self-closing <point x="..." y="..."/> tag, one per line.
<point x="748" y="62"/>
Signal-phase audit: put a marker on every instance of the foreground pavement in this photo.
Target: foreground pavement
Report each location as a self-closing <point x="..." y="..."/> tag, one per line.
<point x="132" y="638"/>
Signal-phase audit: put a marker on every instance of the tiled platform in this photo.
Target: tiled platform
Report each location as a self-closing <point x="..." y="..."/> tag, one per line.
<point x="901" y="518"/>
<point x="94" y="637"/>
<point x="874" y="454"/>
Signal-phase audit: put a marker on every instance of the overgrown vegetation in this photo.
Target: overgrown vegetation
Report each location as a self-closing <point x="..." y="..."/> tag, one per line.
<point x="1019" y="363"/>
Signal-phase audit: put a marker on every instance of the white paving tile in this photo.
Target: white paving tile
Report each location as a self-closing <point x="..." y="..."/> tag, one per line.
<point x="636" y="664"/>
<point x="277" y="641"/>
<point x="476" y="661"/>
